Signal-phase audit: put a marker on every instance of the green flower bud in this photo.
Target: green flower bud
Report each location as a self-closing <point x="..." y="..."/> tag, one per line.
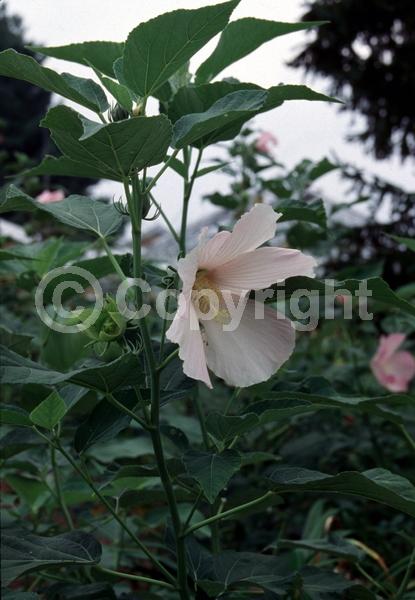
<point x="109" y="326"/>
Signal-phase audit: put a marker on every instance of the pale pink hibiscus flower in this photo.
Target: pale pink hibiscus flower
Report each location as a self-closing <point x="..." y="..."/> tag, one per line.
<point x="265" y="142"/>
<point x="230" y="265"/>
<point x="48" y="196"/>
<point x="393" y="368"/>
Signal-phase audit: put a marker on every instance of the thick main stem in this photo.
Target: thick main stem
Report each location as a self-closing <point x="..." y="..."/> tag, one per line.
<point x="168" y="487"/>
<point x="135" y="208"/>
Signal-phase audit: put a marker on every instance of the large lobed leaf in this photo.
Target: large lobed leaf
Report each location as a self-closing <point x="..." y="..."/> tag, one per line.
<point x="204" y="98"/>
<point x="242" y="37"/>
<point x="49" y="412"/>
<point x="110" y="151"/>
<point x="101" y="55"/>
<point x="155" y="50"/>
<point x="239" y="105"/>
<point x="379" y="485"/>
<point x="312" y="211"/>
<point x="378" y="288"/>
<point x="83" y="91"/>
<point x="218" y="573"/>
<point x="80" y="212"/>
<point x="106" y="377"/>
<point x="105" y="421"/>
<point x="23" y="551"/>
<point x="212" y="470"/>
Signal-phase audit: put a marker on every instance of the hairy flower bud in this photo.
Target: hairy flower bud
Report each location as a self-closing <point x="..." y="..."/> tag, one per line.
<point x="110" y="324"/>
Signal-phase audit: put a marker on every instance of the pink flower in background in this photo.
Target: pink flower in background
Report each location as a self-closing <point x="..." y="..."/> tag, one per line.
<point x="228" y="266"/>
<point x="392" y="368"/>
<point x="265" y="142"/>
<point x="48" y="196"/>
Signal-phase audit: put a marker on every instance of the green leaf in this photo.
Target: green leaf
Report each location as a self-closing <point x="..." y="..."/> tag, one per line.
<point x="312" y="211"/>
<point x="397" y="408"/>
<point x="228" y="201"/>
<point x="101" y="55"/>
<point x="105" y="422"/>
<point x="23" y="551"/>
<point x="19" y="342"/>
<point x="120" y="92"/>
<point x="242" y="37"/>
<point x="106" y="377"/>
<point x="404" y="241"/>
<point x="31" y="491"/>
<point x="98" y="217"/>
<point x="14" y="199"/>
<point x="176" y="436"/>
<point x="49" y="412"/>
<point x="224" y="427"/>
<point x="199" y="99"/>
<point x="66" y="167"/>
<point x="18" y="440"/>
<point x="98" y="267"/>
<point x="218" y="572"/>
<point x="10" y="595"/>
<point x="211" y="169"/>
<point x="379" y="485"/>
<point x="155" y="50"/>
<point x="14" y="415"/>
<point x="211" y="470"/>
<point x="335" y="546"/>
<point x="110" y="151"/>
<point x="83" y="91"/>
<point x="379" y="289"/>
<point x="232" y="107"/>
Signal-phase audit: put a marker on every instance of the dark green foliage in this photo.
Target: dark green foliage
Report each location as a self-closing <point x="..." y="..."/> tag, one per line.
<point x="367" y="53"/>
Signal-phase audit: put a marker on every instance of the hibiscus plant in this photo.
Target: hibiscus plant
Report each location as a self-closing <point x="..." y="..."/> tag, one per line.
<point x="144" y="424"/>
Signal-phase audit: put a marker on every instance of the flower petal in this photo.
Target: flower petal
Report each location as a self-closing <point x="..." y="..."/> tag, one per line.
<point x="185" y="331"/>
<point x="254" y="351"/>
<point x="261" y="268"/>
<point x="388" y="344"/>
<point x="399" y="372"/>
<point x="252" y="230"/>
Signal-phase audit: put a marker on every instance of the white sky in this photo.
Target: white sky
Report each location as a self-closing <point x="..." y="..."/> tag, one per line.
<point x="304" y="129"/>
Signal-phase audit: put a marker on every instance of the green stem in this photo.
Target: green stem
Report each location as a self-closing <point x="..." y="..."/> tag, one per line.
<point x="214" y="526"/>
<point x="141" y="578"/>
<point x="86" y="477"/>
<point x="166" y="219"/>
<point x="136" y="230"/>
<point x="370" y="578"/>
<point x="192" y="510"/>
<point x="168" y="359"/>
<point x="234" y="395"/>
<point x="188" y="188"/>
<point x="405" y="580"/>
<point x="202" y="422"/>
<point x="168" y="487"/>
<point x="58" y="488"/>
<point x="135" y="203"/>
<point x="407" y="436"/>
<point x="164" y="330"/>
<point x="228" y="513"/>
<point x="127" y="411"/>
<point x="113" y="260"/>
<point x="160" y="173"/>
